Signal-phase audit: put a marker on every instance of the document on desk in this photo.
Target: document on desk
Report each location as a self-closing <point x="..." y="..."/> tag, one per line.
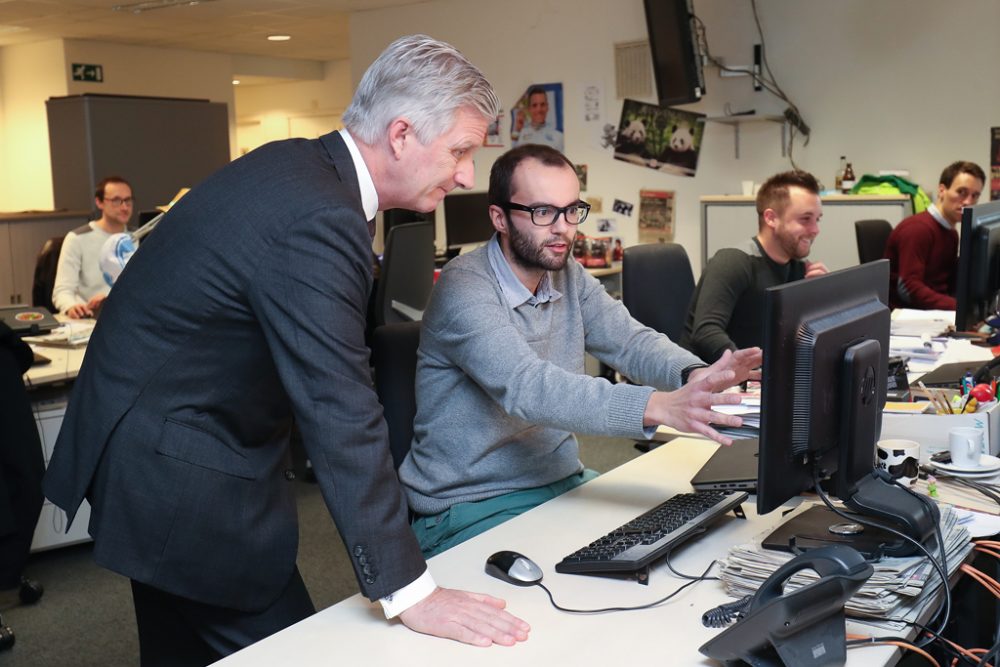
<point x="71" y="334"/>
<point x="748" y="409"/>
<point x="900" y="588"/>
<point x="910" y="322"/>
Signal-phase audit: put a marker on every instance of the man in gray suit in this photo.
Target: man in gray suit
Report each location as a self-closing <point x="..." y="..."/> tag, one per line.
<point x="246" y="310"/>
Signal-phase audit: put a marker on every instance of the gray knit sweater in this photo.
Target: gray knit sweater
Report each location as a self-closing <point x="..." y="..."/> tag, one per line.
<point x="501" y="390"/>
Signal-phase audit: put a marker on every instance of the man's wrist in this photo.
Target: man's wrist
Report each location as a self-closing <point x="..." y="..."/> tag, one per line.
<point x="686" y="372"/>
<point x="396" y="603"/>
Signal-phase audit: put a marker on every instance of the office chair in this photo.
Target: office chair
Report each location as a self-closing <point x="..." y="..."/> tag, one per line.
<point x="872" y="236"/>
<point x="45" y="273"/>
<point x="407" y="273"/>
<point x="394" y="354"/>
<point x="657" y="284"/>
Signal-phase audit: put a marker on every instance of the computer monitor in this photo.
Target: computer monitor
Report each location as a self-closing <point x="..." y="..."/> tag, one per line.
<point x="978" y="279"/>
<point x="826" y="346"/>
<point x="393" y="217"/>
<point x="467" y="219"/>
<point x="674" y="50"/>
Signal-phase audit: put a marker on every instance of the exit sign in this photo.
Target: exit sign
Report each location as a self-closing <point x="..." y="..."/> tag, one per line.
<point x="83" y="72"/>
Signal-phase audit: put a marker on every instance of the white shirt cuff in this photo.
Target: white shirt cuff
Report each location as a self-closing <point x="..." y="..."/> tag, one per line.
<point x="396" y="603"/>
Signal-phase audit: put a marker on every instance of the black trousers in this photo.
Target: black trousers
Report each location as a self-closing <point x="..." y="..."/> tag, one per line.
<point x="176" y="631"/>
<point x="21" y="468"/>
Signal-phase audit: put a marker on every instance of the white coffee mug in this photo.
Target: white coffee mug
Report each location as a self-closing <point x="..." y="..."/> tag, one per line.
<point x="899" y="458"/>
<point x="966" y="446"/>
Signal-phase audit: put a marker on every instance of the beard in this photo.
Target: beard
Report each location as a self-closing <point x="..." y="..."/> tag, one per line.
<point x="792" y="247"/>
<point x="531" y="255"/>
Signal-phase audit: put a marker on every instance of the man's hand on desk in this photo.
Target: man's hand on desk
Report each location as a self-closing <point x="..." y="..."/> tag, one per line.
<point x="689" y="409"/>
<point x="471" y="618"/>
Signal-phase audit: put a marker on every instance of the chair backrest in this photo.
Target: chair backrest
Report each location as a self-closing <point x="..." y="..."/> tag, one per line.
<point x="45" y="273"/>
<point x="657" y="284"/>
<point x="407" y="273"/>
<point x="872" y="236"/>
<point x="394" y="356"/>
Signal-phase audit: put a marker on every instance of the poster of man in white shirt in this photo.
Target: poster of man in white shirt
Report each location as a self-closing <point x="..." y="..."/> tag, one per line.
<point x="537" y="117"/>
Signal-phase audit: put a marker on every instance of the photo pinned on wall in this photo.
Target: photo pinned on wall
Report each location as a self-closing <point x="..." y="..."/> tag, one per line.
<point x="609" y="136"/>
<point x="995" y="164"/>
<point x="493" y="137"/>
<point x="581" y="173"/>
<point x="656" y="216"/>
<point x="660" y="138"/>
<point x="593" y="103"/>
<point x="596" y="204"/>
<point x="622" y="207"/>
<point x="606" y="225"/>
<point x="594" y="252"/>
<point x="537" y="117"/>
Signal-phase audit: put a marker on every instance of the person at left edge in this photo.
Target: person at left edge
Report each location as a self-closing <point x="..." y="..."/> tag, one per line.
<point x="246" y="308"/>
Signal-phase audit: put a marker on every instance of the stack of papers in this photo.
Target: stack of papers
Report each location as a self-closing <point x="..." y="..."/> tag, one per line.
<point x="900" y="588"/>
<point x="749" y="410"/>
<point x="917" y="348"/>
<point x="71" y="334"/>
<point x="909" y="322"/>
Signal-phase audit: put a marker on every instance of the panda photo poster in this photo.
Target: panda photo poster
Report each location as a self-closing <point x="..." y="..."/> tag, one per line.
<point x="660" y="138"/>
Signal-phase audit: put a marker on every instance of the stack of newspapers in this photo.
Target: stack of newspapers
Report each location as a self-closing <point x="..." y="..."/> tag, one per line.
<point x="900" y="590"/>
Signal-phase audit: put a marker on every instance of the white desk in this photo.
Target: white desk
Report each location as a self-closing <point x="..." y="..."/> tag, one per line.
<point x="354" y="631"/>
<point x="49" y="393"/>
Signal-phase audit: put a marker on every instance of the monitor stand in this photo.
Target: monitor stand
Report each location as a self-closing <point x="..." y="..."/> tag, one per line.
<point x="875" y="499"/>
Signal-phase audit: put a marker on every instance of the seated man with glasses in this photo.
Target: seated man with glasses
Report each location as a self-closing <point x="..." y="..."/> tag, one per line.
<point x="500" y="382"/>
<point x="80" y="287"/>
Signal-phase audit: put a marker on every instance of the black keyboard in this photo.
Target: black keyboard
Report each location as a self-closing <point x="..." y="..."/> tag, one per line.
<point x="651" y="536"/>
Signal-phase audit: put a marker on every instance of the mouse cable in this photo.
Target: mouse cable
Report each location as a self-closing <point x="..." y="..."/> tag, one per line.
<point x="944" y="610"/>
<point x="687" y="576"/>
<point x="611" y="609"/>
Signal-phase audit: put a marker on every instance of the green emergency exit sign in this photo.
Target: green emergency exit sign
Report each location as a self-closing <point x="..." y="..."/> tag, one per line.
<point x="84" y="72"/>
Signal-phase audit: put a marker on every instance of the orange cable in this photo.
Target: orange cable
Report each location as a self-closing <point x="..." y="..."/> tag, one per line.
<point x="898" y="643"/>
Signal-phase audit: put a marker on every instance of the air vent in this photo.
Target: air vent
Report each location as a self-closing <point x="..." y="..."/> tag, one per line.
<point x="633" y="70"/>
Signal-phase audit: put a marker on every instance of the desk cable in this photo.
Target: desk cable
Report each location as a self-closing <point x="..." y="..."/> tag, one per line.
<point x="693" y="580"/>
<point x="941" y="568"/>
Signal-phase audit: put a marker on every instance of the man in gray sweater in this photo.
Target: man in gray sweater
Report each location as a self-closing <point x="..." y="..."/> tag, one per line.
<point x="500" y="374"/>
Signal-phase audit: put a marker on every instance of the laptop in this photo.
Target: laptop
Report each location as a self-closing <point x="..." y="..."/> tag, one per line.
<point x="28" y="320"/>
<point x="950" y="376"/>
<point x="732" y="468"/>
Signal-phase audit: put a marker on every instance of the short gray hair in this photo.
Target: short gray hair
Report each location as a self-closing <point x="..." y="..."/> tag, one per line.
<point x="423" y="79"/>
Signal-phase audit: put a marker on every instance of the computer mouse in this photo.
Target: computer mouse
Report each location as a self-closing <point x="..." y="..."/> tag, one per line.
<point x="513" y="568"/>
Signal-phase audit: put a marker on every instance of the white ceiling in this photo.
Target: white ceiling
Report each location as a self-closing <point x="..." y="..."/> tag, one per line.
<point x="319" y="28"/>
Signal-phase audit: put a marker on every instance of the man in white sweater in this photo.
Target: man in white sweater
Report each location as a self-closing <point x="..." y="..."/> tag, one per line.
<point x="80" y="288"/>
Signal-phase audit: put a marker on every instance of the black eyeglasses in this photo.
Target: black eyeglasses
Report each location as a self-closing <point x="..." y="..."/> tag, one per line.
<point x="545" y="215"/>
<point x="118" y="201"/>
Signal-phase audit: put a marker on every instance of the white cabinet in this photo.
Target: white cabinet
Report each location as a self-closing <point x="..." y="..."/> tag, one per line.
<point x="729" y="221"/>
<point x="50" y="532"/>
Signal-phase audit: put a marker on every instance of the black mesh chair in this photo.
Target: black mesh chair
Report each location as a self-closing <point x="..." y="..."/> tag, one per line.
<point x="394" y="357"/>
<point x="872" y="236"/>
<point x="407" y="273"/>
<point x="45" y="273"/>
<point x="657" y="284"/>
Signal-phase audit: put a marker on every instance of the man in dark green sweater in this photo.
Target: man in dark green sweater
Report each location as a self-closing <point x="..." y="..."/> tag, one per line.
<point x="727" y="310"/>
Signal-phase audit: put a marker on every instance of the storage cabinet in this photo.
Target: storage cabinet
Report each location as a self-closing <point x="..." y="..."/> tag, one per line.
<point x="21" y="237"/>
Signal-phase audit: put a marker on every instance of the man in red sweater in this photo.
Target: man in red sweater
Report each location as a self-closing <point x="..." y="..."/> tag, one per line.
<point x="923" y="249"/>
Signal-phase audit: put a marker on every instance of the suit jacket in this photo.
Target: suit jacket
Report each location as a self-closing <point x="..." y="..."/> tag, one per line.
<point x="245" y="308"/>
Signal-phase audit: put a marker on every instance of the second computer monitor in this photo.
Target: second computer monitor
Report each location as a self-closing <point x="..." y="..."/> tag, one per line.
<point x="467" y="219"/>
<point x="978" y="279"/>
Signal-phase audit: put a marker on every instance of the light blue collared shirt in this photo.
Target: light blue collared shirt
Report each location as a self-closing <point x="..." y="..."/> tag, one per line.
<point x="513" y="289"/>
<point x="369" y="196"/>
